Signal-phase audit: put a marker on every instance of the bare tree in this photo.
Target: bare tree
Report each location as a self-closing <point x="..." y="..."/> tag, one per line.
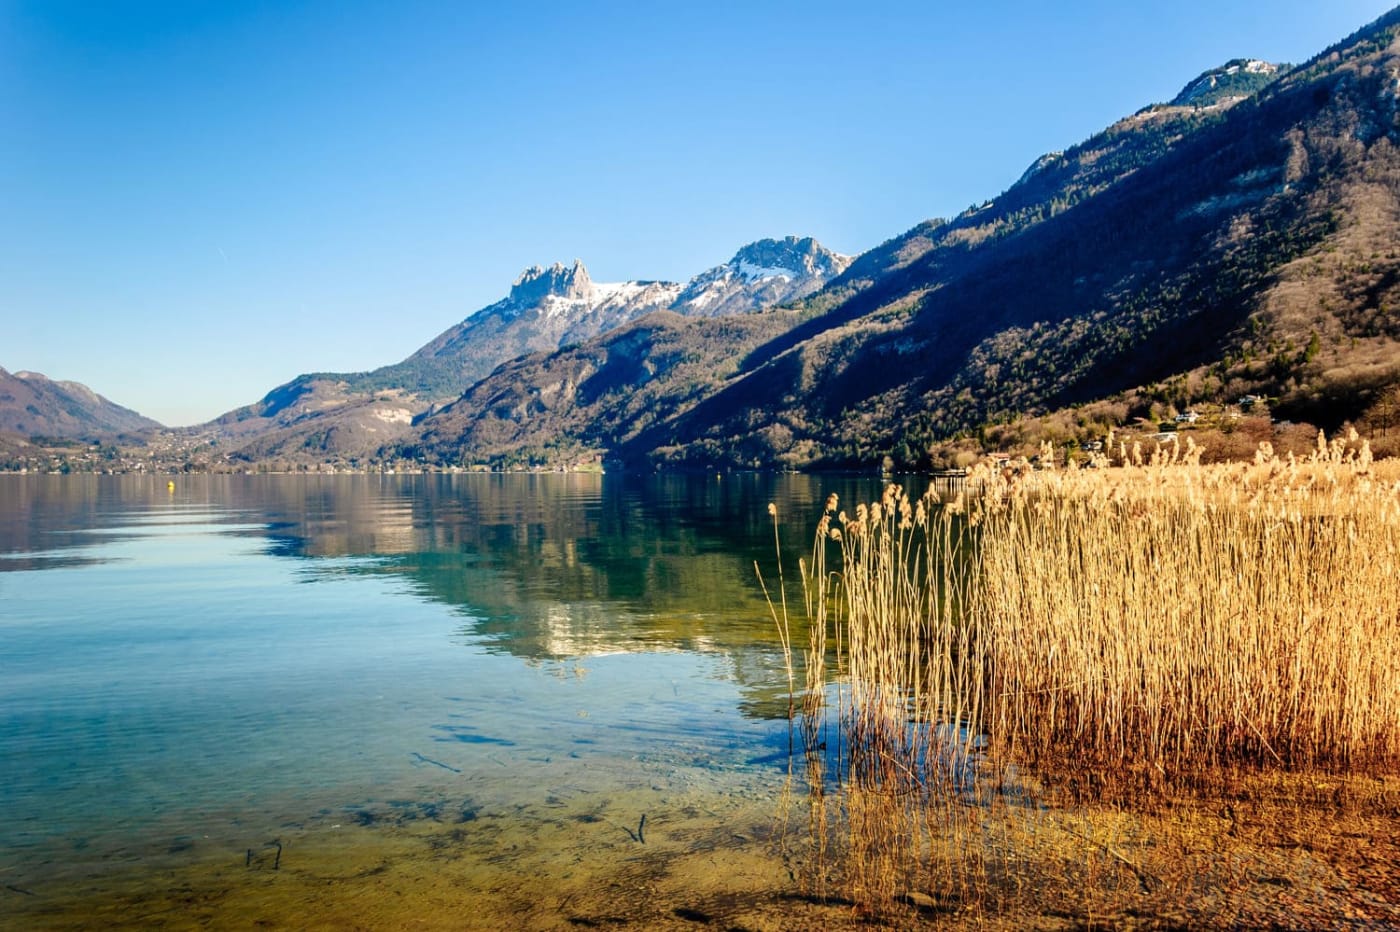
<point x="1383" y="412"/>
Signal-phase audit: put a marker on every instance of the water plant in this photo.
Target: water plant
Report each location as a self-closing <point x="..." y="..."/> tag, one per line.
<point x="1118" y="635"/>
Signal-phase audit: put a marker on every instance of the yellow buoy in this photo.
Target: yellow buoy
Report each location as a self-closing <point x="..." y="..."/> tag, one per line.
<point x="170" y="485"/>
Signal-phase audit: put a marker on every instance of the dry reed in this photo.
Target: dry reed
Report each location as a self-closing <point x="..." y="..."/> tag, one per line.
<point x="1169" y="620"/>
<point x="1132" y="630"/>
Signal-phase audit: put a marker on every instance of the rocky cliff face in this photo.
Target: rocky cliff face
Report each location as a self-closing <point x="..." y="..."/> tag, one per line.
<point x="536" y="284"/>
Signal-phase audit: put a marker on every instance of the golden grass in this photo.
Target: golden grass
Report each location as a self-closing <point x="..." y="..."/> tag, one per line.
<point x="1130" y="633"/>
<point x="1170" y="619"/>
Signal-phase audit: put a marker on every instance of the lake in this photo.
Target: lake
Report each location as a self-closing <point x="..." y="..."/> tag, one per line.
<point x="436" y="701"/>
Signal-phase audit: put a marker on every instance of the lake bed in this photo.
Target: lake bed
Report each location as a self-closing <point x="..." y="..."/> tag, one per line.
<point x="375" y="685"/>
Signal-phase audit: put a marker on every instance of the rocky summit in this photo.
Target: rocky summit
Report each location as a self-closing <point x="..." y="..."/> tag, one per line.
<point x="537" y="283"/>
<point x="762" y="274"/>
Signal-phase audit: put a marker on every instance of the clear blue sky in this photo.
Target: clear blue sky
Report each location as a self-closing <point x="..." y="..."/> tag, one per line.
<point x="200" y="200"/>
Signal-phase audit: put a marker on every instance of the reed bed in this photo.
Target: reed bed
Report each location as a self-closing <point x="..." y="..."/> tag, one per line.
<point x="1169" y="620"/>
<point x="1132" y="631"/>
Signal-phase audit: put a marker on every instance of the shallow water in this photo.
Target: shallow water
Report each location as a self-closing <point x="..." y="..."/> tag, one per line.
<point x="536" y="702"/>
<point x="303" y="681"/>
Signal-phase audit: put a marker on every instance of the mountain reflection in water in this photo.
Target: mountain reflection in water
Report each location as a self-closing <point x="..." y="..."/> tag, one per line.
<point x="193" y="673"/>
<point x="541" y="567"/>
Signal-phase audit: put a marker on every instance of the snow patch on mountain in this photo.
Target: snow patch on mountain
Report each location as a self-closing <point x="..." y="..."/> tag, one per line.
<point x="757" y="273"/>
<point x="708" y="295"/>
<point x="619" y="294"/>
<point x="558" y="306"/>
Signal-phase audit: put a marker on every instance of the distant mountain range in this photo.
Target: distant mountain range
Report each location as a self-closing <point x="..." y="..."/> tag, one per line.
<point x="1242" y="239"/>
<point x="356" y="415"/>
<point x="33" y="405"/>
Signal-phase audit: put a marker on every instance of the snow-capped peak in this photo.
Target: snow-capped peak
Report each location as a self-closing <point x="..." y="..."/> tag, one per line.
<point x="762" y="274"/>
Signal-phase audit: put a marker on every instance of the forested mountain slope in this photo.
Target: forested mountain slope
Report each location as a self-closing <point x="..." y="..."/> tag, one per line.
<point x="1189" y="253"/>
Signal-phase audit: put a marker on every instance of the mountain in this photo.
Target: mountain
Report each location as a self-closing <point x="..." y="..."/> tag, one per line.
<point x="1193" y="252"/>
<point x="580" y="404"/>
<point x="762" y="274"/>
<point x="1234" y="80"/>
<point x="552" y="307"/>
<point x="328" y="415"/>
<point x="36" y="406"/>
<point x="546" y="308"/>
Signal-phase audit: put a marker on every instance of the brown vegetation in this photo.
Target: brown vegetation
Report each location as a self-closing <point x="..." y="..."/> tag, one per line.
<point x="1055" y="669"/>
